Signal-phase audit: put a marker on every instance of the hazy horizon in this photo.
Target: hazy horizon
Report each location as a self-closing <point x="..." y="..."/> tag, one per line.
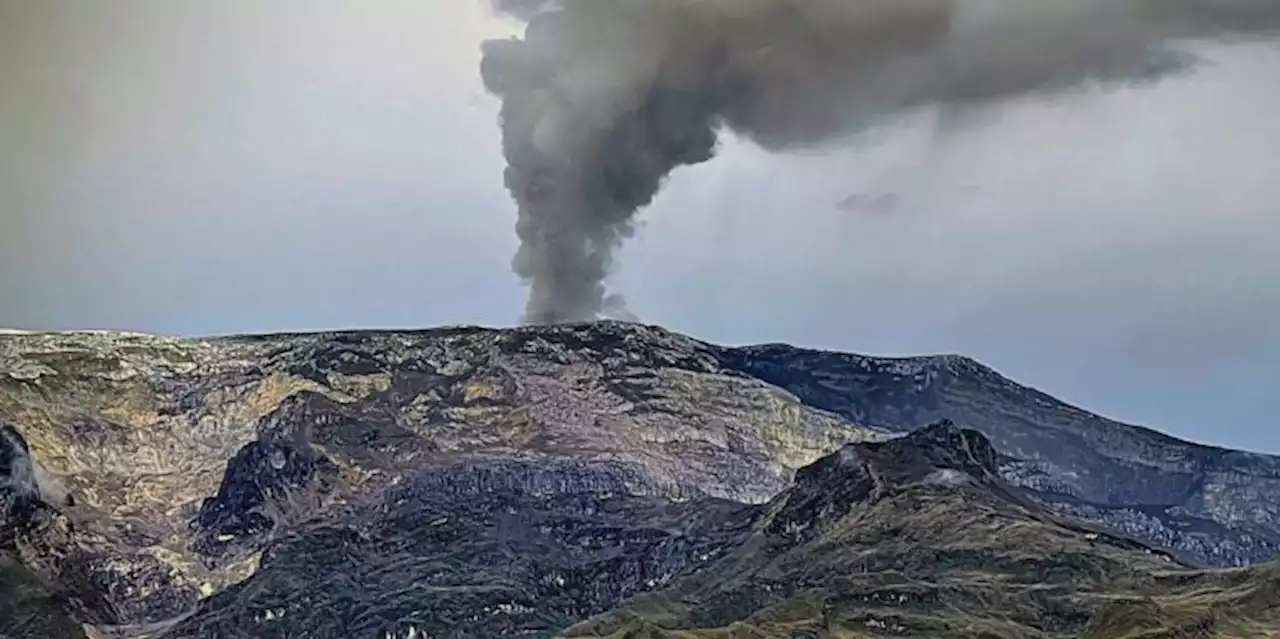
<point x="195" y="169"/>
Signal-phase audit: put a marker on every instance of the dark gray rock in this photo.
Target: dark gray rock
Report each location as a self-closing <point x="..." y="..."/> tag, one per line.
<point x="185" y="484"/>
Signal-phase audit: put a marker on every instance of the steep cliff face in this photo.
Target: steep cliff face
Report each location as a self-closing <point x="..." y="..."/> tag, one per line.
<point x="522" y="479"/>
<point x="491" y="547"/>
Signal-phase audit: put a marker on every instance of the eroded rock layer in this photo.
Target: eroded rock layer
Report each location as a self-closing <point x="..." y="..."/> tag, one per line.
<point x="521" y="481"/>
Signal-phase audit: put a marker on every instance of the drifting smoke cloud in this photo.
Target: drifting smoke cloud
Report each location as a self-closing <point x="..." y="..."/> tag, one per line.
<point x="603" y="99"/>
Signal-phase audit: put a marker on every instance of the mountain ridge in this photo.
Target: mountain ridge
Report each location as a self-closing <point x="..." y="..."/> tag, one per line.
<point x="924" y="540"/>
<point x="174" y="471"/>
<point x="1051" y="439"/>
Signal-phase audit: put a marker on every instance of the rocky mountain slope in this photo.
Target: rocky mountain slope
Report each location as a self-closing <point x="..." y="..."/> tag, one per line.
<point x="484" y="483"/>
<point x="919" y="537"/>
<point x="1213" y="505"/>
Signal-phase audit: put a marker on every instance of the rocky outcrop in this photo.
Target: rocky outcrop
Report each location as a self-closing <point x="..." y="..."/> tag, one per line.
<point x="184" y="485"/>
<point x="491" y="547"/>
<point x="19" y="494"/>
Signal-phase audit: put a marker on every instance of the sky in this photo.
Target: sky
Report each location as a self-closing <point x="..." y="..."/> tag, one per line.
<point x="194" y="168"/>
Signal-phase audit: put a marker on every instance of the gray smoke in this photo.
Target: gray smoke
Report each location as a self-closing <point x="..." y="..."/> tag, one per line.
<point x="603" y="99"/>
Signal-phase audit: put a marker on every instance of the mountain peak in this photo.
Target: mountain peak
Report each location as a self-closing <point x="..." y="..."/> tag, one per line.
<point x="940" y="453"/>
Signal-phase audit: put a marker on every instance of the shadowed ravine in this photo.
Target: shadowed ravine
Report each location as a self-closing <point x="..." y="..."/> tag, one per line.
<point x="596" y="480"/>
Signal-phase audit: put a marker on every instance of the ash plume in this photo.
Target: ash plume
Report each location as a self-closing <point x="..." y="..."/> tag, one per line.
<point x="603" y="99"/>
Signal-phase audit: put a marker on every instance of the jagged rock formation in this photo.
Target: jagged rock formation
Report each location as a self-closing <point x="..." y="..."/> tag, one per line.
<point x="495" y="482"/>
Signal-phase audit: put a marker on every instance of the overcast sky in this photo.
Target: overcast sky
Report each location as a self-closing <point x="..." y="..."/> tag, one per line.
<point x="190" y="167"/>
